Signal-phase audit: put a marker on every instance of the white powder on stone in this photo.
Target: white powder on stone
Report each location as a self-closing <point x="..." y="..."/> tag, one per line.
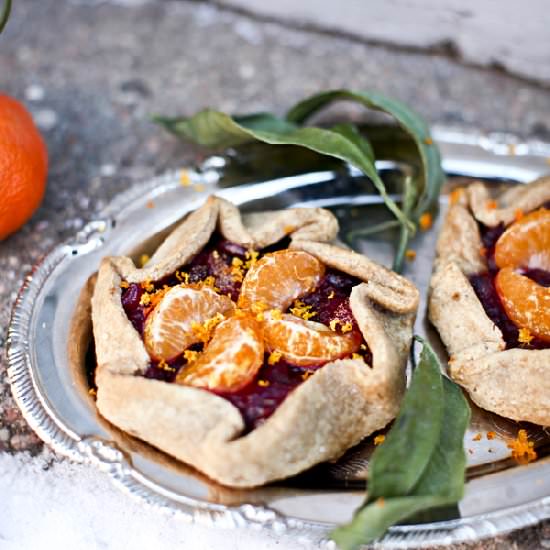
<point x="48" y="503"/>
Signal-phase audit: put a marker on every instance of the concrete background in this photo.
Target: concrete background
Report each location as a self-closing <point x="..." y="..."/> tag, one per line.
<point x="92" y="72"/>
<point x="505" y="33"/>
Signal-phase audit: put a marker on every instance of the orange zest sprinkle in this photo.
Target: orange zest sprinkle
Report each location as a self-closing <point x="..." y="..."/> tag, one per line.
<point x="124" y="284"/>
<point x="145" y="299"/>
<point x="184" y="178"/>
<point x="274" y="357"/>
<point x="237" y="271"/>
<point x="476" y="437"/>
<point x="263" y="383"/>
<point x="491" y="205"/>
<point x="331" y="295"/>
<point x="425" y="221"/>
<point x="307" y="374"/>
<point x="356" y="356"/>
<point x="456" y="195"/>
<point x="522" y="448"/>
<point x="148" y="286"/>
<point x="143" y="259"/>
<point x="165" y="366"/>
<point x="182" y="277"/>
<point x="347" y="327"/>
<point x="150" y="204"/>
<point x="410" y="255"/>
<point x="190" y="355"/>
<point x="379" y="439"/>
<point x="333" y="324"/>
<point x="204" y="330"/>
<point x="251" y="258"/>
<point x="518" y="214"/>
<point x="92" y="392"/>
<point x="276" y="314"/>
<point x="210" y="281"/>
<point x="428" y="141"/>
<point x="302" y="310"/>
<point x="491" y="435"/>
<point x="524" y="336"/>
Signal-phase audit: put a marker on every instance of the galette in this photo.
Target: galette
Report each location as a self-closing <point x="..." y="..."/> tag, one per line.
<point x="251" y="347"/>
<point x="490" y="297"/>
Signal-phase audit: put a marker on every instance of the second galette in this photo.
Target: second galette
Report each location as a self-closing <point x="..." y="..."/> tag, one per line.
<point x="490" y="297"/>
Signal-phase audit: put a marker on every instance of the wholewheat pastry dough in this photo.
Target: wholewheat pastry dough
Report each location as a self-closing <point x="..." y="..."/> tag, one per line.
<point x="514" y="383"/>
<point x="334" y="409"/>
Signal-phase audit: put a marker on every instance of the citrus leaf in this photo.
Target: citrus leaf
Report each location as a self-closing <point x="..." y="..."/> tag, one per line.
<point x="373" y="520"/>
<point x="351" y="132"/>
<point x="433" y="176"/>
<point x="439" y="481"/>
<point x="215" y="129"/>
<point x="5" y="14"/>
<point x="397" y="464"/>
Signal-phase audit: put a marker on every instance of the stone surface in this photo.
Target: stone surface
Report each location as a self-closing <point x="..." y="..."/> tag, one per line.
<point x="93" y="72"/>
<point x="507" y="33"/>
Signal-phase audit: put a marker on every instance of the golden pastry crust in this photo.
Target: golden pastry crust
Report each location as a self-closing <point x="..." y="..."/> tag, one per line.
<point x="332" y="410"/>
<point x="514" y="383"/>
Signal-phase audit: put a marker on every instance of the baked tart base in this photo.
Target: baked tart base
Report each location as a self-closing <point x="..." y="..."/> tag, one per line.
<point x="332" y="410"/>
<point x="505" y="370"/>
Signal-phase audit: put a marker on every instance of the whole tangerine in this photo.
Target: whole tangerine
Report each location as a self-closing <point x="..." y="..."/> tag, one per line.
<point x="23" y="165"/>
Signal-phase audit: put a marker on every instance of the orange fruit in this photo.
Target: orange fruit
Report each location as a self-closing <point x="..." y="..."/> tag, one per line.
<point x="526" y="303"/>
<point x="172" y="325"/>
<point x="306" y="343"/>
<point x="23" y="166"/>
<point x="526" y="243"/>
<point x="230" y="360"/>
<point x="278" y="278"/>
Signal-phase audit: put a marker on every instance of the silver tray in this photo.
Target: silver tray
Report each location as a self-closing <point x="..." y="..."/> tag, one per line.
<point x="54" y="400"/>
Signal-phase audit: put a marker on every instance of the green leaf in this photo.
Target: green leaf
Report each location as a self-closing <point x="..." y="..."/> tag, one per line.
<point x="433" y="176"/>
<point x="351" y="132"/>
<point x="427" y="188"/>
<point x="398" y="463"/>
<point x="215" y="129"/>
<point x="5" y="14"/>
<point x="425" y="485"/>
<point x="372" y="521"/>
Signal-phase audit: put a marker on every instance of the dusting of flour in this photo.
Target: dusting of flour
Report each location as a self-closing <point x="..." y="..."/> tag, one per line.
<point x="49" y="503"/>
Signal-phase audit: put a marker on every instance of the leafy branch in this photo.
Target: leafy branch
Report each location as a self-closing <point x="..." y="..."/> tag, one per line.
<point x="344" y="142"/>
<point x="420" y="466"/>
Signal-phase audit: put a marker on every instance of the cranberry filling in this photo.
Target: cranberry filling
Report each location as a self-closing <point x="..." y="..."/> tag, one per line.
<point x="484" y="287"/>
<point x="260" y="398"/>
<point x="131" y="297"/>
<point x="331" y="298"/>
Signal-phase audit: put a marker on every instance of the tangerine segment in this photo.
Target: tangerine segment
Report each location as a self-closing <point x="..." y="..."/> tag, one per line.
<point x="169" y="328"/>
<point x="526" y="303"/>
<point x="306" y="343"/>
<point x="526" y="243"/>
<point x="278" y="278"/>
<point x="231" y="359"/>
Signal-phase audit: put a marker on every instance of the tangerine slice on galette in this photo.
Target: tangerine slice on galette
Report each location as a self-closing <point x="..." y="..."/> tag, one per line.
<point x="250" y="351"/>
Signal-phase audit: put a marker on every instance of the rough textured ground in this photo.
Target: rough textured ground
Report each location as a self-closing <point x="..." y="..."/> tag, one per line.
<point x="92" y="73"/>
